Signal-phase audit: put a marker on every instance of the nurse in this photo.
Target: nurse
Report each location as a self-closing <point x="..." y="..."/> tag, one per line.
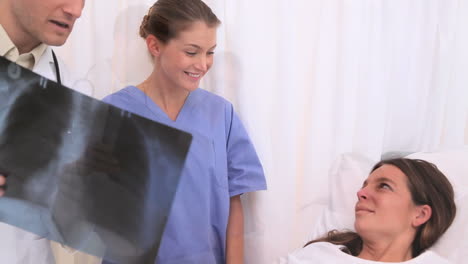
<point x="206" y="221"/>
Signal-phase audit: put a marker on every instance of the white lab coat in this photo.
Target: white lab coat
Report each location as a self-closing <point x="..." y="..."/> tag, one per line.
<point x="45" y="67"/>
<point x="18" y="246"/>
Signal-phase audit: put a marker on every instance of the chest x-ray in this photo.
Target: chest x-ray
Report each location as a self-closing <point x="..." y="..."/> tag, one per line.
<point x="84" y="173"/>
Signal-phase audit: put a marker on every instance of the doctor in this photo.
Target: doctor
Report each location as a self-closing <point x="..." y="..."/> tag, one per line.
<point x="27" y="30"/>
<point x="28" y="27"/>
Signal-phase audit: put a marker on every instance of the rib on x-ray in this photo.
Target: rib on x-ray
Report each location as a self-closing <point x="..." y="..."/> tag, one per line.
<point x="84" y="173"/>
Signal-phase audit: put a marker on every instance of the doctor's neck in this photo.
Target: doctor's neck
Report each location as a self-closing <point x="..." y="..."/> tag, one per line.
<point x="22" y="40"/>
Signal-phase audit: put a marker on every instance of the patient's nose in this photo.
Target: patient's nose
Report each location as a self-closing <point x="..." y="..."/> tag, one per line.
<point x="362" y="193"/>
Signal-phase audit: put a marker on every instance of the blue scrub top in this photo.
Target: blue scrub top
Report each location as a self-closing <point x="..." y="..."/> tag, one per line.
<point x="221" y="163"/>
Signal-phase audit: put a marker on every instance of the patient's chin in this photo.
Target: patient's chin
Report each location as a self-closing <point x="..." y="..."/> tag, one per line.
<point x="362" y="224"/>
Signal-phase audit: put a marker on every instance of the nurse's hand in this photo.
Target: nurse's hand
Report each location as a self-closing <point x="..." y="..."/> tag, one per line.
<point x="2" y="184"/>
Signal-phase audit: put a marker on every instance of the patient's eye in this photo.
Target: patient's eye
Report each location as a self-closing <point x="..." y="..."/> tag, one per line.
<point x="385" y="186"/>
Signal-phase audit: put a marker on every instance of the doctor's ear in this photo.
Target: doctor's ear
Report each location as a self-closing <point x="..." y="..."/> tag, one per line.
<point x="154" y="45"/>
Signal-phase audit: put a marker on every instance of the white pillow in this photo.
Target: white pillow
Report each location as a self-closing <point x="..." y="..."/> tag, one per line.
<point x="351" y="169"/>
<point x="346" y="176"/>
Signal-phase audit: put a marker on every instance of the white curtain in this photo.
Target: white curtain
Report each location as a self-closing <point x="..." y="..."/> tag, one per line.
<point x="310" y="79"/>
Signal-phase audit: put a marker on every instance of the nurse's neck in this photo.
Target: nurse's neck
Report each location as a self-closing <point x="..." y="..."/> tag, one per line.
<point x="167" y="97"/>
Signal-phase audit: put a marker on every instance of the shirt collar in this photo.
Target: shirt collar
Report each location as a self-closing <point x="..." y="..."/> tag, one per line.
<point x="38" y="51"/>
<point x="5" y="42"/>
<point x="7" y="45"/>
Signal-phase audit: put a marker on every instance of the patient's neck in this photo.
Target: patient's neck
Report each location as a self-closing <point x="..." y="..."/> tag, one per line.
<point x="387" y="249"/>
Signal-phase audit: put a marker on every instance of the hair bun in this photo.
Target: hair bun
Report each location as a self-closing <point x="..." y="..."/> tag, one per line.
<point x="144" y="26"/>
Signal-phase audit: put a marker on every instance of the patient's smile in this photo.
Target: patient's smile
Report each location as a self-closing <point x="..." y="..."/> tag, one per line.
<point x="360" y="209"/>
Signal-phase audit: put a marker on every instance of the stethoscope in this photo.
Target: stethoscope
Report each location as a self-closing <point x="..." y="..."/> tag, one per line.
<point x="57" y="69"/>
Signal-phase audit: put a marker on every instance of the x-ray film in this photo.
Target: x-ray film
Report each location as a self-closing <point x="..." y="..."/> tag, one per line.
<point x="84" y="173"/>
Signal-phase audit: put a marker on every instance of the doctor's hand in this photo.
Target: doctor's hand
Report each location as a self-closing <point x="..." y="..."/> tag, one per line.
<point x="3" y="184"/>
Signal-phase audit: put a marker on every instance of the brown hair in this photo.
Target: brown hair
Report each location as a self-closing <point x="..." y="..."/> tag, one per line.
<point x="427" y="185"/>
<point x="167" y="18"/>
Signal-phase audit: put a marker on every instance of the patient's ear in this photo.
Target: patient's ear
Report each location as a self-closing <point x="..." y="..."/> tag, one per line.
<point x="423" y="214"/>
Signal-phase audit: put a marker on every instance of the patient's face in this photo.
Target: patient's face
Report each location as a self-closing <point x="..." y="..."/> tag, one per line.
<point x="385" y="207"/>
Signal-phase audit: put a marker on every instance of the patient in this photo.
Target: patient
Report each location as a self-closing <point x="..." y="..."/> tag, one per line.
<point x="403" y="208"/>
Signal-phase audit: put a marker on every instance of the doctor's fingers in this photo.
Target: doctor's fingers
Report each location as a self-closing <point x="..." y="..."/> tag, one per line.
<point x="2" y="180"/>
<point x="2" y="184"/>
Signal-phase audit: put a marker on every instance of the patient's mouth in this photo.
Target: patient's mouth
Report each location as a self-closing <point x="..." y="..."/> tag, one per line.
<point x="362" y="209"/>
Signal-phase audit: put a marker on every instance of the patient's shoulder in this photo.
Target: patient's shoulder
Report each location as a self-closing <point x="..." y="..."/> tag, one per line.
<point x="320" y="252"/>
<point x="429" y="257"/>
<point x="324" y="252"/>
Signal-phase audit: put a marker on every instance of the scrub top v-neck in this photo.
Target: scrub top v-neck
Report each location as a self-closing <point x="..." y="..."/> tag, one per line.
<point x="189" y="104"/>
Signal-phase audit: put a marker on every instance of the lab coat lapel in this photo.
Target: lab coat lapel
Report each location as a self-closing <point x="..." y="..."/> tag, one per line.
<point x="45" y="65"/>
